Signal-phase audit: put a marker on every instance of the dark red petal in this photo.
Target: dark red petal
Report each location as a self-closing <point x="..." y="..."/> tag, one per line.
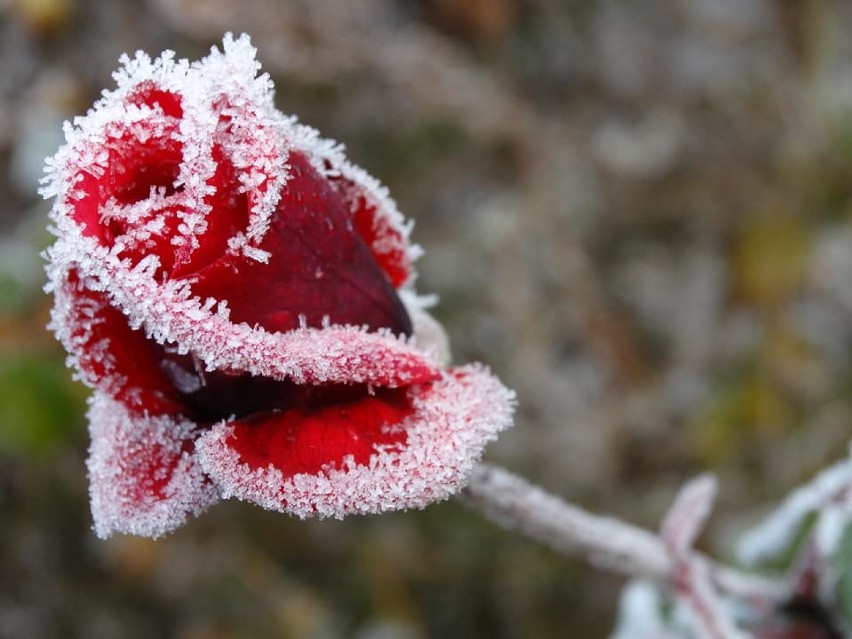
<point x="309" y="439"/>
<point x="111" y="356"/>
<point x="319" y="267"/>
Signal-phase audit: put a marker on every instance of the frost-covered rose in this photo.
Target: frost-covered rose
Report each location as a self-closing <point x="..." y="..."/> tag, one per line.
<point x="241" y="299"/>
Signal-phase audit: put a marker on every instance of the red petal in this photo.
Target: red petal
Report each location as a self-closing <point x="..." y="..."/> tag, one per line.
<point x="228" y="216"/>
<point x="111" y="356"/>
<point x="308" y="439"/>
<point x="387" y="244"/>
<point x="148" y="94"/>
<point x="143" y="478"/>
<point x="139" y="167"/>
<point x="378" y="233"/>
<point x="296" y="463"/>
<point x="131" y="170"/>
<point x="319" y="267"/>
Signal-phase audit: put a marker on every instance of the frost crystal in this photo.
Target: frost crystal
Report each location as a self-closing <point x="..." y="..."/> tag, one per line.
<point x="241" y="299"/>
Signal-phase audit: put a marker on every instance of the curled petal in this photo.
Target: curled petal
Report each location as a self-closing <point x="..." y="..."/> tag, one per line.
<point x="169" y="314"/>
<point x="337" y="424"/>
<point x="344" y="354"/>
<point x="110" y="356"/>
<point x="376" y="221"/>
<point x="143" y="478"/>
<point x="316" y="266"/>
<point x="449" y="424"/>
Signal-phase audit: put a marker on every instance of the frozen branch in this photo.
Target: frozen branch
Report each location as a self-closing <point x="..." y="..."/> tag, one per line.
<point x="605" y="542"/>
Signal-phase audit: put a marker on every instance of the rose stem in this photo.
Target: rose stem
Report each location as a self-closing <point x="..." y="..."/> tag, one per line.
<point x="605" y="542"/>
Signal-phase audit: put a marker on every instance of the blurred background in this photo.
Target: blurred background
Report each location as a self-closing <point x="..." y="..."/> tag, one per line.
<point x="639" y="214"/>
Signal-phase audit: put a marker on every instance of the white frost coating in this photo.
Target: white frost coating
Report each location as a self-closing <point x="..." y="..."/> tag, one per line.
<point x="687" y="516"/>
<point x="640" y="613"/>
<point x="127" y="451"/>
<point x="453" y="420"/>
<point x="776" y="533"/>
<point x="428" y="333"/>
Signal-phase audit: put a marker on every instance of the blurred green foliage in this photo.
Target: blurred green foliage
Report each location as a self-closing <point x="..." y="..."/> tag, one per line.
<point x="40" y="407"/>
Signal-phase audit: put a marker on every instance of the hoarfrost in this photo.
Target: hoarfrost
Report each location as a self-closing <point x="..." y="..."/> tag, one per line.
<point x="142" y="480"/>
<point x="640" y="613"/>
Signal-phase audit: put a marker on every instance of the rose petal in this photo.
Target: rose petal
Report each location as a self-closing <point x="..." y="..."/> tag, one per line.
<point x="143" y="478"/>
<point x="125" y="187"/>
<point x="228" y="215"/>
<point x="337" y="354"/>
<point x="335" y="424"/>
<point x="111" y="356"/>
<point x="386" y="240"/>
<point x="451" y="422"/>
<point x="319" y="269"/>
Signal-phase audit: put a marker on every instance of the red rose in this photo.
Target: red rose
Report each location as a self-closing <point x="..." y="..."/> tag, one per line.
<point x="241" y="299"/>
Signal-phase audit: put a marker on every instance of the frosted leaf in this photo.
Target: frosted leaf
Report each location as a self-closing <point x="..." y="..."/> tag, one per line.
<point x="832" y="488"/>
<point x="687" y="516"/>
<point x="143" y="478"/>
<point x="640" y="613"/>
<point x="693" y="605"/>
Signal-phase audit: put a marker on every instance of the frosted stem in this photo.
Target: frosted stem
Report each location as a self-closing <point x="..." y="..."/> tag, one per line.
<point x="605" y="542"/>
